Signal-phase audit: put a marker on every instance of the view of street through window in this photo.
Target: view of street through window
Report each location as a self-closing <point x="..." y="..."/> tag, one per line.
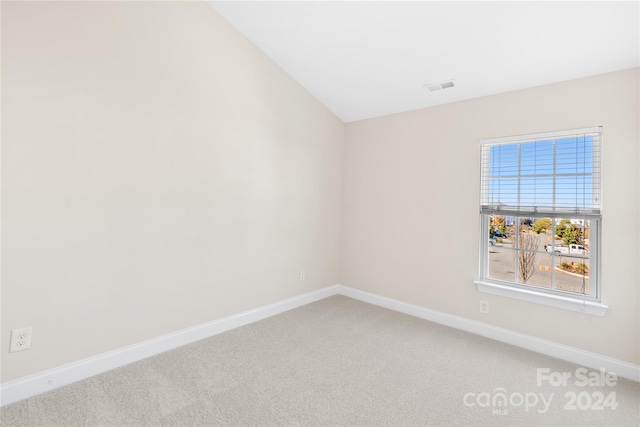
<point x="540" y="252"/>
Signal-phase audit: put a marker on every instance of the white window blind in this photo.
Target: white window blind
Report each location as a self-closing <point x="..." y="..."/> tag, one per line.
<point x="553" y="174"/>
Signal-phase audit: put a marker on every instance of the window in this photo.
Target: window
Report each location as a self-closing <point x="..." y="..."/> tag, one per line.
<point x="540" y="208"/>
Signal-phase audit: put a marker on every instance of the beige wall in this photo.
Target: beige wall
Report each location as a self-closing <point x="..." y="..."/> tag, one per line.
<point x="410" y="207"/>
<point x="158" y="172"/>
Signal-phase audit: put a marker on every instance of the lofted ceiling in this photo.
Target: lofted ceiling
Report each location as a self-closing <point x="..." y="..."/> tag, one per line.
<point x="366" y="59"/>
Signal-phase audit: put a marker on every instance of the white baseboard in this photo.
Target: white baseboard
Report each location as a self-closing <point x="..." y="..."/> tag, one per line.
<point x="32" y="385"/>
<point x="549" y="348"/>
<point x="22" y="388"/>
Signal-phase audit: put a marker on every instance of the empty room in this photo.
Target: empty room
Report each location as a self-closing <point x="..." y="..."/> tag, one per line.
<point x="321" y="213"/>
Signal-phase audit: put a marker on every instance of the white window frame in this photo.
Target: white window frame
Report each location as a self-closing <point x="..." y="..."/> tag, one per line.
<point x="589" y="304"/>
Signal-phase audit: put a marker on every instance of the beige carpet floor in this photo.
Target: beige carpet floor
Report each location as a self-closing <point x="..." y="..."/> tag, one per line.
<point x="335" y="362"/>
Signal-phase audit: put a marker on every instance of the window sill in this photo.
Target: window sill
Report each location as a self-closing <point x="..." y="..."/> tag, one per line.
<point x="564" y="302"/>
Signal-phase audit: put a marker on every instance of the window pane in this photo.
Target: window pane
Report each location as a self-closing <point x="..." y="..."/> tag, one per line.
<point x="528" y="247"/>
<point x="536" y="191"/>
<point x="574" y="155"/>
<point x="536" y="158"/>
<point x="534" y="267"/>
<point x="503" y="191"/>
<point x="574" y="191"/>
<point x="572" y="274"/>
<point x="543" y="273"/>
<point x="501" y="262"/>
<point x="572" y="255"/>
<point x="550" y="253"/>
<point x="503" y="160"/>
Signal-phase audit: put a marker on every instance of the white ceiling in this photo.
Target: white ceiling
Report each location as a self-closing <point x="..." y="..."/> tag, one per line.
<point x="367" y="59"/>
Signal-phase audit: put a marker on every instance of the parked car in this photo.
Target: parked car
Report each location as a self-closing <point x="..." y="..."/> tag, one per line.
<point x="499" y="234"/>
<point x="567" y="250"/>
<point x="492" y="241"/>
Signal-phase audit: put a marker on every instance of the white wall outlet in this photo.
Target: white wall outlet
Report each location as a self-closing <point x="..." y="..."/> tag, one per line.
<point x="20" y="339"/>
<point x="484" y="307"/>
<point x="302" y="276"/>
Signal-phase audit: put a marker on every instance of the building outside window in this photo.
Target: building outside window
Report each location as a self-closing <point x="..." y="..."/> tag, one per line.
<point x="540" y="208"/>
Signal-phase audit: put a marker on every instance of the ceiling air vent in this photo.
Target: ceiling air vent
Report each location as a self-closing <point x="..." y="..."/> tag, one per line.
<point x="432" y="87"/>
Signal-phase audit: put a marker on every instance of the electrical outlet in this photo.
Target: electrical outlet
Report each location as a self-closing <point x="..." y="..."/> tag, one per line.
<point x="302" y="275"/>
<point x="20" y="339"/>
<point x="484" y="307"/>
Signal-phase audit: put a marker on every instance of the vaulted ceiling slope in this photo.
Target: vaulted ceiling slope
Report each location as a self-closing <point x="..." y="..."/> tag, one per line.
<point x="366" y="59"/>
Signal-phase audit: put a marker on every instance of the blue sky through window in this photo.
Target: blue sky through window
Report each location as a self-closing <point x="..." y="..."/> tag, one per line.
<point x="548" y="173"/>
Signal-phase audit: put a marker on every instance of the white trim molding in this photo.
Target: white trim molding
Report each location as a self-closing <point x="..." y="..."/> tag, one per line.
<point x="22" y="388"/>
<point x="32" y="385"/>
<point x="566" y="302"/>
<point x="528" y="342"/>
